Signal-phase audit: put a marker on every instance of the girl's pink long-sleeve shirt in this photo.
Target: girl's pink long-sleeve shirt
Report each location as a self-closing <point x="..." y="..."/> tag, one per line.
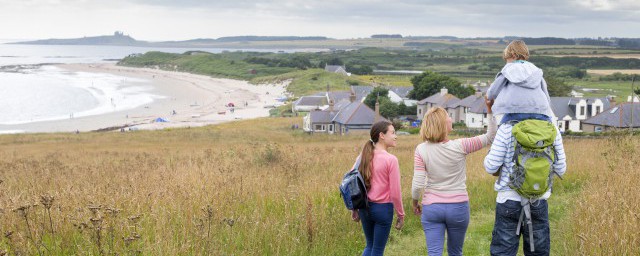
<point x="385" y="181"/>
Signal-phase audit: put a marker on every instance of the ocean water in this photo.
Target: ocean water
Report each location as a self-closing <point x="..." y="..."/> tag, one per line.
<point x="32" y="90"/>
<point x="45" y="93"/>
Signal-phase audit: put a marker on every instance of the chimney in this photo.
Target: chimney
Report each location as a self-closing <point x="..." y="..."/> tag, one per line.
<point x="478" y="93"/>
<point x="330" y="105"/>
<point x="612" y="100"/>
<point x="377" y="116"/>
<point x="352" y="96"/>
<point x="443" y="91"/>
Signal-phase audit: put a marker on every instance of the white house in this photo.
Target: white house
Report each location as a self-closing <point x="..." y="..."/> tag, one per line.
<point x="570" y="112"/>
<point x="474" y="111"/>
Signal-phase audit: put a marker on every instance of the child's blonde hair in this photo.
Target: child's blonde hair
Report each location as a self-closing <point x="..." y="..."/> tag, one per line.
<point x="434" y="125"/>
<point x="517" y="49"/>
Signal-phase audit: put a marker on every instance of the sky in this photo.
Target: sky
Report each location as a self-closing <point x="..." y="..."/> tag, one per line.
<point x="163" y="20"/>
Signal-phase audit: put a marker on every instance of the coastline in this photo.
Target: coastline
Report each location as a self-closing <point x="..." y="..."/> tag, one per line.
<point x="189" y="100"/>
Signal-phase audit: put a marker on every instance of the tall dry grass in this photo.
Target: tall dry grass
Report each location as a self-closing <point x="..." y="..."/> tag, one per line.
<point x="256" y="188"/>
<point x="605" y="219"/>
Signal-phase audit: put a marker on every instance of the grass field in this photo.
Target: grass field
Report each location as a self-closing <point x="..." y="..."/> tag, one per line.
<point x="256" y="187"/>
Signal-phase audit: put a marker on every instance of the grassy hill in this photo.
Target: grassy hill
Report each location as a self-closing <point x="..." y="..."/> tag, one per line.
<point x="464" y="62"/>
<point x="256" y="187"/>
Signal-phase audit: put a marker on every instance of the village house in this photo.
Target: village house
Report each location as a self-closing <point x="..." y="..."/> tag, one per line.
<point x="344" y="117"/>
<point x="622" y="116"/>
<point x="472" y="110"/>
<point x="336" y="69"/>
<point x="397" y="94"/>
<point x="318" y="101"/>
<point x="442" y="99"/>
<point x="309" y="103"/>
<point x="569" y="113"/>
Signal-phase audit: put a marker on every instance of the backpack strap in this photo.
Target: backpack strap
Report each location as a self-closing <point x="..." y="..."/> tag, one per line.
<point x="525" y="216"/>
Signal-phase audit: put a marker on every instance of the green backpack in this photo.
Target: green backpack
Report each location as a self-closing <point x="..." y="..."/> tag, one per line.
<point x="533" y="157"/>
<point x="533" y="160"/>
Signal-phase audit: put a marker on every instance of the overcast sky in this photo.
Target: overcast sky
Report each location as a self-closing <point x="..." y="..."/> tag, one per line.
<point x="157" y="20"/>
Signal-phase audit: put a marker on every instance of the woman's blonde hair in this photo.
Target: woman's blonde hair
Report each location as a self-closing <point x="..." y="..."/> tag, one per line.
<point x="434" y="125"/>
<point x="517" y="49"/>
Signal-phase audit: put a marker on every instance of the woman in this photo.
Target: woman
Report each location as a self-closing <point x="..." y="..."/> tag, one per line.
<point x="381" y="173"/>
<point x="440" y="169"/>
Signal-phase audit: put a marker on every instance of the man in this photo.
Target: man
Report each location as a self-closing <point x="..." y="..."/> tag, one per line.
<point x="499" y="162"/>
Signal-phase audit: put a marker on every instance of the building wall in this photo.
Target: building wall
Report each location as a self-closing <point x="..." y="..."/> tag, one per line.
<point x="475" y="120"/>
<point x="581" y="110"/>
<point x="422" y="109"/>
<point x="597" y="105"/>
<point x="574" y="126"/>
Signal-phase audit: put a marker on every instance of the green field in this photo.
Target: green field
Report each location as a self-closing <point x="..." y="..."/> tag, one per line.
<point x="463" y="61"/>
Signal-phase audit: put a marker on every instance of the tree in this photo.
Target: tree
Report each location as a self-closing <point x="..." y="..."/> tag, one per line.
<point x="377" y="93"/>
<point x="388" y="109"/>
<point x="429" y="83"/>
<point x="557" y="87"/>
<point x="335" y="61"/>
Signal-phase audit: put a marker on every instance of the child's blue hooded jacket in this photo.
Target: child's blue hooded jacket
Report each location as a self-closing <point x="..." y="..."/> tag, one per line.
<point x="520" y="88"/>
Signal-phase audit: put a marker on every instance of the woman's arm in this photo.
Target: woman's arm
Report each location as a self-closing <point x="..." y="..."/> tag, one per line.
<point x="419" y="181"/>
<point x="395" y="189"/>
<point x="473" y="144"/>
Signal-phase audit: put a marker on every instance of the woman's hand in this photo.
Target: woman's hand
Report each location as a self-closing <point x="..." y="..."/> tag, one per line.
<point x="417" y="210"/>
<point x="354" y="216"/>
<point x="399" y="223"/>
<point x="489" y="104"/>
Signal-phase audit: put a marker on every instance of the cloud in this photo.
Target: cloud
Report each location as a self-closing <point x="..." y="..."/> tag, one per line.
<point x="168" y="19"/>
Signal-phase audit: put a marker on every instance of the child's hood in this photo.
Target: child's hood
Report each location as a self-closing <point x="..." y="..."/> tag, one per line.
<point x="523" y="73"/>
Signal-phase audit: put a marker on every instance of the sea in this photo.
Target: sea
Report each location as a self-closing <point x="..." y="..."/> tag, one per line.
<point x="32" y="89"/>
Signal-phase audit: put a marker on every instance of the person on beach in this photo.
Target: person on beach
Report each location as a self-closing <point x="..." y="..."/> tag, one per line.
<point x="439" y="177"/>
<point x="381" y="173"/>
<point x="519" y="89"/>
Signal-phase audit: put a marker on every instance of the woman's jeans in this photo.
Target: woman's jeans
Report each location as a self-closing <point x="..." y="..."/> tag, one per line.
<point x="438" y="217"/>
<point x="376" y="223"/>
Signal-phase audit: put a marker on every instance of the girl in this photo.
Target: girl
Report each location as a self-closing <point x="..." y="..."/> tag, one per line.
<point x="442" y="164"/>
<point x="381" y="173"/>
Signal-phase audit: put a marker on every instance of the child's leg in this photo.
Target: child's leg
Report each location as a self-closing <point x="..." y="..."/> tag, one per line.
<point x="504" y="240"/>
<point x="541" y="236"/>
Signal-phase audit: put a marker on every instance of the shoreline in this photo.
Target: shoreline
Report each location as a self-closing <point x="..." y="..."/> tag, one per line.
<point x="190" y="100"/>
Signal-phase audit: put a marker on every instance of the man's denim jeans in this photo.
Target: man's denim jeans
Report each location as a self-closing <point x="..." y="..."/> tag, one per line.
<point x="504" y="240"/>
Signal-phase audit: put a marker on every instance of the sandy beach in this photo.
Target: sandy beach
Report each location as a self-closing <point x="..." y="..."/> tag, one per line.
<point x="187" y="100"/>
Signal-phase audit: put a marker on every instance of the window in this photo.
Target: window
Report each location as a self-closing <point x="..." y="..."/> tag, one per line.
<point x="319" y="127"/>
<point x="330" y="128"/>
<point x="598" y="129"/>
<point x="597" y="110"/>
<point x="419" y="111"/>
<point x="582" y="110"/>
<point x="473" y="120"/>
